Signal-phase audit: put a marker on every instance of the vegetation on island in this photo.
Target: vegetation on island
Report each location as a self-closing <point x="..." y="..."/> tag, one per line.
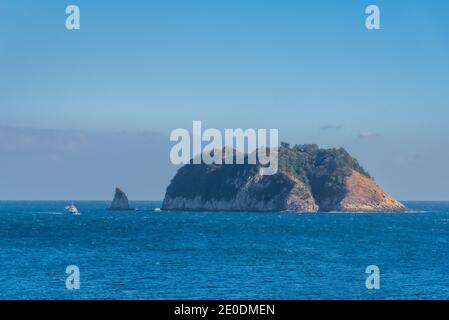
<point x="323" y="171"/>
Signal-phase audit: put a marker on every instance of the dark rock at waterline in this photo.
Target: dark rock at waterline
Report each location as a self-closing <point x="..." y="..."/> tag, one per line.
<point x="120" y="202"/>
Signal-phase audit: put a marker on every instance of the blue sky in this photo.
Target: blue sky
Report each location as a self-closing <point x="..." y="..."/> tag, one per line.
<point x="309" y="68"/>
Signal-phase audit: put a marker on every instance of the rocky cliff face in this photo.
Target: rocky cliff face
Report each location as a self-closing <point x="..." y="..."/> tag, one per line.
<point x="364" y="195"/>
<point x="120" y="202"/>
<point x="244" y="191"/>
<point x="309" y="179"/>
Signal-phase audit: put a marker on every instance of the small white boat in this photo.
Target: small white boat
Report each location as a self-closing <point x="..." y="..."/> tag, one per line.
<point x="72" y="209"/>
<point x="157" y="210"/>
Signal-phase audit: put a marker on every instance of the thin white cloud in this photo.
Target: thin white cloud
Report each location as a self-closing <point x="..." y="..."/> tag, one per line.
<point x="368" y="135"/>
<point x="331" y="127"/>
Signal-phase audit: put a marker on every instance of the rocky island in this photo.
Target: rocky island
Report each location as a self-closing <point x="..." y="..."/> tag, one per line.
<point x="309" y="179"/>
<point x="120" y="202"/>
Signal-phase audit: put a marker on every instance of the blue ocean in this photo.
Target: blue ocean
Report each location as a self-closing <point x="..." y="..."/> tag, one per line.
<point x="221" y="255"/>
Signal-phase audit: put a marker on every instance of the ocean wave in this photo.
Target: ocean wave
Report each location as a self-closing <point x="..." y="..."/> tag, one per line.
<point x="51" y="212"/>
